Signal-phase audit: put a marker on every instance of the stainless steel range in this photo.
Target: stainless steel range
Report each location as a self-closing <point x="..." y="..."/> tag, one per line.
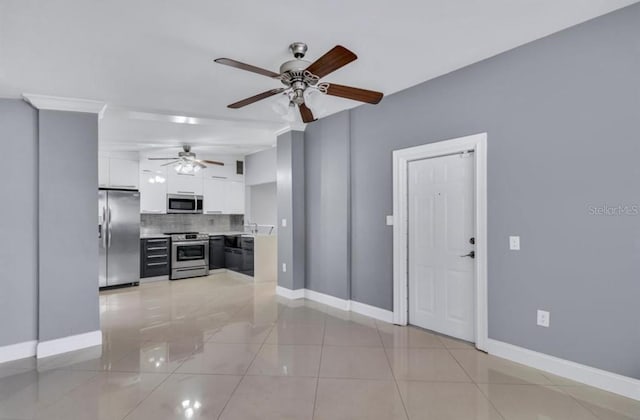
<point x="189" y="254"/>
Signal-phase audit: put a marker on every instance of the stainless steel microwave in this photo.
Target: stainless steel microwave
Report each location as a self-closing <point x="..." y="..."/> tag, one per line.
<point x="184" y="203"/>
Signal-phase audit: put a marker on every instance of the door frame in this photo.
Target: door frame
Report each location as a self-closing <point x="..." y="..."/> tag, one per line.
<point x="401" y="159"/>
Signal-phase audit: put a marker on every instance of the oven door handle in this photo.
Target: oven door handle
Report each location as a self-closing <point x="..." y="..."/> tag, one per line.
<point x="183" y="243"/>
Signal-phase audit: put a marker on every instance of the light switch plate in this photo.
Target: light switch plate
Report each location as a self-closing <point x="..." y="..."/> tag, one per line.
<point x="514" y="243"/>
<point x="284" y="222"/>
<point x="543" y="318"/>
<point x="390" y="220"/>
<point x="284" y="267"/>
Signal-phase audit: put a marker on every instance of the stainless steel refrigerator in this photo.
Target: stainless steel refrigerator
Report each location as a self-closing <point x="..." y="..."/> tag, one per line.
<point x="119" y="237"/>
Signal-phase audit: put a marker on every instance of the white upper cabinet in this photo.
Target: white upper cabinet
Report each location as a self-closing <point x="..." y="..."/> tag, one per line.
<point x="153" y="190"/>
<point x="214" y="195"/>
<point x="123" y="173"/>
<point x="118" y="173"/>
<point x="235" y="197"/>
<point x="103" y="171"/>
<point x="183" y="184"/>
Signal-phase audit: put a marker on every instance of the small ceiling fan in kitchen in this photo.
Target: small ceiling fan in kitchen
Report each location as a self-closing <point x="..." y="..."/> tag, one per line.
<point x="302" y="81"/>
<point x="186" y="162"/>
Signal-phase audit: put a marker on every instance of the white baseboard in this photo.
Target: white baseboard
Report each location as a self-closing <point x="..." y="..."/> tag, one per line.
<point x="328" y="300"/>
<point x="372" y="311"/>
<point x="612" y="382"/>
<point x="288" y="293"/>
<point x="71" y="343"/>
<point x="18" y="351"/>
<point x="334" y="302"/>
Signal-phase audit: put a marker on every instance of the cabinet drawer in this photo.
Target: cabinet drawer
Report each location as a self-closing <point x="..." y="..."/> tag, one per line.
<point x="155" y="257"/>
<point x="155" y="247"/>
<point x="156" y="269"/>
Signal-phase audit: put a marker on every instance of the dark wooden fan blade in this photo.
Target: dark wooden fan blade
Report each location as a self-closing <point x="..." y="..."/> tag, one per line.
<point x="307" y="115"/>
<point x="256" y="98"/>
<point x="247" y="67"/>
<point x="152" y="158"/>
<point x="170" y="163"/>
<point x="212" y="162"/>
<point x="356" y="94"/>
<point x="337" y="57"/>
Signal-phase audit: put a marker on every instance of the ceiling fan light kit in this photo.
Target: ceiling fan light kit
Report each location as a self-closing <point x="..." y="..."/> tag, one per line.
<point x="302" y="82"/>
<point x="186" y="162"/>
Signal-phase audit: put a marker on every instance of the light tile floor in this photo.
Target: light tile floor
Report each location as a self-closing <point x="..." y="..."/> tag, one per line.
<point x="220" y="347"/>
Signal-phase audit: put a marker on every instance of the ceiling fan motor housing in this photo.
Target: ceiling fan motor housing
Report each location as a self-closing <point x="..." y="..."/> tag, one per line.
<point x="299" y="49"/>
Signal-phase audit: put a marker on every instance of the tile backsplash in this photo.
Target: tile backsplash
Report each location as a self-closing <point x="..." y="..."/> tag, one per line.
<point x="160" y="223"/>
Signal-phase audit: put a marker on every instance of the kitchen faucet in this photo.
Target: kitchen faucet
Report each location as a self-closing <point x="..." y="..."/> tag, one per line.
<point x="253" y="228"/>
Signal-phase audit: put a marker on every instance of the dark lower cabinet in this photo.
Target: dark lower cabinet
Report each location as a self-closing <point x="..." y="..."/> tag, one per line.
<point x="216" y="252"/>
<point x="246" y="266"/>
<point x="233" y="258"/>
<point x="155" y="257"/>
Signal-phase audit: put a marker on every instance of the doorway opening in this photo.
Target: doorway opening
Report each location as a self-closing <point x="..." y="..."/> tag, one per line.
<point x="440" y="237"/>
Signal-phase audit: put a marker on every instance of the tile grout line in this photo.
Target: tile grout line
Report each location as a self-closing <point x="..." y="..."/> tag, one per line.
<point x="244" y="375"/>
<point x="475" y="384"/>
<point x="393" y="374"/>
<point x="169" y="375"/>
<point x="561" y="388"/>
<point x="324" y="333"/>
<point x="146" y="396"/>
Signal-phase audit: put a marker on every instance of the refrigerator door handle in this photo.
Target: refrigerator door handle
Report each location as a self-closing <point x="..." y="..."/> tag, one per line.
<point x="104" y="227"/>
<point x="109" y="228"/>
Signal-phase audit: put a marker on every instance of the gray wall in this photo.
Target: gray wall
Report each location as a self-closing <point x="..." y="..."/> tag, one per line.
<point x="562" y="117"/>
<point x="68" y="209"/>
<point x="290" y="186"/>
<point x="263" y="204"/>
<point x="260" y="167"/>
<point x="327" y="206"/>
<point x="18" y="222"/>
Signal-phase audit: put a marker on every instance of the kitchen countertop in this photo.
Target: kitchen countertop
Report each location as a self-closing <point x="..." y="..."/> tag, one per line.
<point x="225" y="233"/>
<point x="152" y="235"/>
<point x="162" y="235"/>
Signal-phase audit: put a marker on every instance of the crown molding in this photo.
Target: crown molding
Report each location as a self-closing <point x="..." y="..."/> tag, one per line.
<point x="294" y="126"/>
<point x="297" y="126"/>
<point x="57" y="103"/>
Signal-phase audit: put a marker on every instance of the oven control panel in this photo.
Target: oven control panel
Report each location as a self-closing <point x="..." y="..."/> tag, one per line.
<point x="190" y="237"/>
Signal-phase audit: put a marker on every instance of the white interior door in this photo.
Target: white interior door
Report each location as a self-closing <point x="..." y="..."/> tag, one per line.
<point x="441" y="279"/>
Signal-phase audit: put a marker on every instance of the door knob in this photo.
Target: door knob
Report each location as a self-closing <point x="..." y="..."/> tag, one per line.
<point x="471" y="254"/>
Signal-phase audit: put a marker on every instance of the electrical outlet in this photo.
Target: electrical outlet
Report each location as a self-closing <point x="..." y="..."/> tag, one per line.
<point x="284" y="222"/>
<point x="514" y="243"/>
<point x="543" y="318"/>
<point x="284" y="267"/>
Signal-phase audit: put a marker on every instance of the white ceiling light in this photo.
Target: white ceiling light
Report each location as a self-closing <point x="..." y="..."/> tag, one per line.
<point x="156" y="180"/>
<point x="313" y="99"/>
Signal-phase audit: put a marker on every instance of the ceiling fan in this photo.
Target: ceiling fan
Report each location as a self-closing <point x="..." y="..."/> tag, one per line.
<point x="302" y="79"/>
<point x="186" y="162"/>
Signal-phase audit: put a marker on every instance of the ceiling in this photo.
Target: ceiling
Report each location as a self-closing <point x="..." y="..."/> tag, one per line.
<point x="151" y="61"/>
<point x="123" y="129"/>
